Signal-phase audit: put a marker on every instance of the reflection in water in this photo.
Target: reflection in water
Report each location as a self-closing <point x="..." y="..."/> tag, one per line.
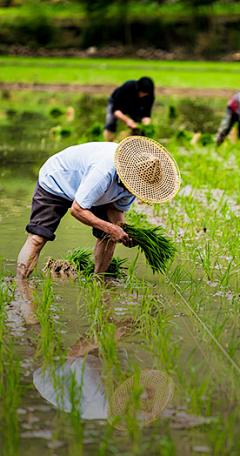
<point x="143" y="396"/>
<point x="25" y="302"/>
<point x="79" y="382"/>
<point x="79" y="385"/>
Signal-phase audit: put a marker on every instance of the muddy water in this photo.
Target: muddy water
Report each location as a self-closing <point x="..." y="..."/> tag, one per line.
<point x="43" y="429"/>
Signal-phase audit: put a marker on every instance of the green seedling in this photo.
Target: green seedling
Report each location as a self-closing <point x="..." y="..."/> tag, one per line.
<point x="49" y="343"/>
<point x="157" y="248"/>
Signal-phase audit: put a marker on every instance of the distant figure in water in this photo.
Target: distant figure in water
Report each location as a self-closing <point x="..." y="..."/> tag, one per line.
<point x="133" y="99"/>
<point x="99" y="182"/>
<point x="231" y="117"/>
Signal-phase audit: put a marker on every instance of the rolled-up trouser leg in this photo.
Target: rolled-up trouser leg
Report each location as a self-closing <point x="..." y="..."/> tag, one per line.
<point x="46" y="214"/>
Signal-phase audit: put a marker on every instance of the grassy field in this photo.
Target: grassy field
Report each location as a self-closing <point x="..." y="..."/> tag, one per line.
<point x="184" y="323"/>
<point x="212" y="75"/>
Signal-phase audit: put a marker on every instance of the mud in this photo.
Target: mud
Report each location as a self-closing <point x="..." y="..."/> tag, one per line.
<point x="108" y="88"/>
<point x="60" y="269"/>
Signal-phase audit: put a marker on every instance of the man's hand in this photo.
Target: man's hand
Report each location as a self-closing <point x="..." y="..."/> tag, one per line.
<point x="131" y="124"/>
<point x="146" y="120"/>
<point x="118" y="235"/>
<point x="117" y="218"/>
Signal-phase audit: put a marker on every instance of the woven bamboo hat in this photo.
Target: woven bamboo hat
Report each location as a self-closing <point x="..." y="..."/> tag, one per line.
<point x="147" y="169"/>
<point x="141" y="397"/>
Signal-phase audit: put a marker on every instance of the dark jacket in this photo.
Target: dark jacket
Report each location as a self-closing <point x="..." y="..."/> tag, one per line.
<point x="125" y="98"/>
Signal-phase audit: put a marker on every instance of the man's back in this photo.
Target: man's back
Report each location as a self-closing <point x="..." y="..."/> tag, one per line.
<point x="62" y="173"/>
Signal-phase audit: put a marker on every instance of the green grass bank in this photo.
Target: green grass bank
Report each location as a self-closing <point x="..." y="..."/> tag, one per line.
<point x="215" y="75"/>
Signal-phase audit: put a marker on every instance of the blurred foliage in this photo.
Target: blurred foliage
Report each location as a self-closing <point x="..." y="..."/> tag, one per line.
<point x="172" y="112"/>
<point x="199" y="3"/>
<point x="132" y="23"/>
<point x="144" y="130"/>
<point x="182" y="136"/>
<point x="206" y="139"/>
<point x="198" y="116"/>
<point x="95" y="132"/>
<point x="56" y="112"/>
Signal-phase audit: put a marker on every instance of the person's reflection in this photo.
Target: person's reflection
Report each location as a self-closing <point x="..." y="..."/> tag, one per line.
<point x="78" y="384"/>
<point x="26" y="302"/>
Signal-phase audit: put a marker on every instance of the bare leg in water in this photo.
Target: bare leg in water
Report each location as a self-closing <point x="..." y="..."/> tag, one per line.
<point x="103" y="253"/>
<point x="27" y="260"/>
<point x="28" y="256"/>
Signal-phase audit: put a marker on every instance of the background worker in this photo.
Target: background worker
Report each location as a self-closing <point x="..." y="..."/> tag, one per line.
<point x="231" y="117"/>
<point x="134" y="99"/>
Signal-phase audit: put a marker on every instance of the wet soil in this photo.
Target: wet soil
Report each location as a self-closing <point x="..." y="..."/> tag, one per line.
<point x="108" y="88"/>
<point x="60" y="269"/>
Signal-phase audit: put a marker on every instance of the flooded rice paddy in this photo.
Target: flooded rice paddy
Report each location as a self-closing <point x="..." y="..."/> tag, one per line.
<point x="147" y="364"/>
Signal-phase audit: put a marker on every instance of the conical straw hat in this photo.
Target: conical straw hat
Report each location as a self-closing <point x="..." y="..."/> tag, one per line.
<point x="156" y="392"/>
<point x="147" y="169"/>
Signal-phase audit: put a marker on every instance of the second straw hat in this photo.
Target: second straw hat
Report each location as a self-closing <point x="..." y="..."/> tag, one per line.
<point x="147" y="169"/>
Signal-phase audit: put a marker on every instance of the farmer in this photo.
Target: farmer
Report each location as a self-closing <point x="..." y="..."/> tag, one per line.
<point x="134" y="99"/>
<point x="98" y="182"/>
<point x="232" y="115"/>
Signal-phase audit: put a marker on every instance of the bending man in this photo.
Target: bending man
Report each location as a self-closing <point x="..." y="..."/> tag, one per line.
<point x="98" y="182"/>
<point x="134" y="99"/>
<point x="231" y="117"/>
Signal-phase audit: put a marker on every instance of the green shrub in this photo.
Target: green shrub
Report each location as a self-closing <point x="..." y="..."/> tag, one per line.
<point x="205" y="139"/>
<point x="11" y="113"/>
<point x="198" y="117"/>
<point x="65" y="132"/>
<point x="95" y="132"/>
<point x="36" y="30"/>
<point x="183" y="135"/>
<point x="172" y="112"/>
<point x="56" y="112"/>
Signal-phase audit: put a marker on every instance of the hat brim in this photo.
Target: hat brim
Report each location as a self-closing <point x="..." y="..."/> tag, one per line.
<point x="157" y="388"/>
<point x="128" y="156"/>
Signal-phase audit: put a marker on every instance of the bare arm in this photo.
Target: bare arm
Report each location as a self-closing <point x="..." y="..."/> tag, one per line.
<point x="88" y="218"/>
<point x="129" y="122"/>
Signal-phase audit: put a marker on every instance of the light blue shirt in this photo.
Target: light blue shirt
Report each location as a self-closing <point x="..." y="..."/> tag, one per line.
<point x="87" y="174"/>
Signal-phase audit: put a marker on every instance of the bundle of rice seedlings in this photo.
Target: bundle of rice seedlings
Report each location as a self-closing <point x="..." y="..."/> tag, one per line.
<point x="116" y="267"/>
<point x="81" y="258"/>
<point x="158" y="249"/>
